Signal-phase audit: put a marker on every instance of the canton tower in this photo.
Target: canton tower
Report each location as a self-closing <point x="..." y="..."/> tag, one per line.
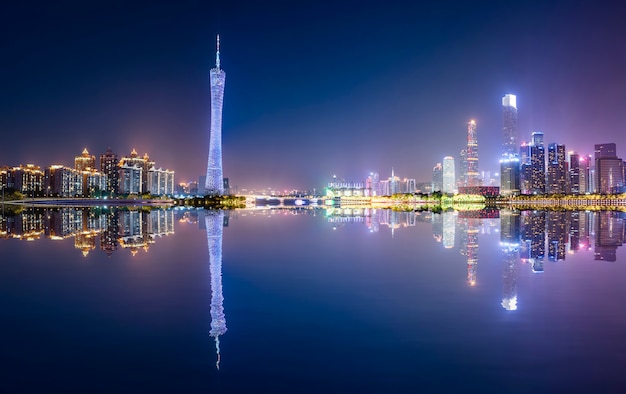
<point x="214" y="174"/>
<point x="214" y="221"/>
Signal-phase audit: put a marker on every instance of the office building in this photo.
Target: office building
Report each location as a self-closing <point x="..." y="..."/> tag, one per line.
<point x="448" y="175"/>
<point x="557" y="172"/>
<point x="609" y="171"/>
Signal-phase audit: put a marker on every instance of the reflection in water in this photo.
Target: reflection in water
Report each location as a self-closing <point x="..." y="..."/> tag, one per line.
<point x="129" y="229"/>
<point x="510" y="244"/>
<point x="449" y="228"/>
<point x="610" y="235"/>
<point x="526" y="236"/>
<point x="214" y="221"/>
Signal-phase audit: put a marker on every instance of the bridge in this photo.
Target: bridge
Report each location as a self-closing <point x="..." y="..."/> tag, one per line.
<point x="284" y="200"/>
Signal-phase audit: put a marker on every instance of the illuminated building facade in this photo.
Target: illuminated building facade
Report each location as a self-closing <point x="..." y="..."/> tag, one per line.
<point x="448" y="175"/>
<point x="538" y="164"/>
<point x="130" y="179"/>
<point x="557" y="172"/>
<point x="28" y="179"/>
<point x="61" y="181"/>
<point x="473" y="176"/>
<point x="509" y="164"/>
<point x="574" y="173"/>
<point x="109" y="168"/>
<point x="609" y="171"/>
<point x="437" y="183"/>
<point x="85" y="162"/>
<point x="509" y="175"/>
<point x="214" y="172"/>
<point x="160" y="182"/>
<point x="509" y="124"/>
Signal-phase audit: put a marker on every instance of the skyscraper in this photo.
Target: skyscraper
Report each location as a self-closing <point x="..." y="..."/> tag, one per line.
<point x="473" y="177"/>
<point x="509" y="164"/>
<point x="574" y="173"/>
<point x="214" y="173"/>
<point x="509" y="124"/>
<point x="448" y="175"/>
<point x="609" y="169"/>
<point x="108" y="167"/>
<point x="557" y="175"/>
<point x="437" y="178"/>
<point x="538" y="164"/>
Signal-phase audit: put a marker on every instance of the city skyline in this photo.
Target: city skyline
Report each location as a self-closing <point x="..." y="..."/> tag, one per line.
<point x="300" y="106"/>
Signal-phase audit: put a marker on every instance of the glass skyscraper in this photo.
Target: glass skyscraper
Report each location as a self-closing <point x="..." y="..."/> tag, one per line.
<point x="509" y="164"/>
<point x="448" y="175"/>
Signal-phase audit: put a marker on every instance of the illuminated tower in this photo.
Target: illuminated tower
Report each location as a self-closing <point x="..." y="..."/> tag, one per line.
<point x="214" y="229"/>
<point x="509" y="124"/>
<point x="214" y="173"/>
<point x="473" y="177"/>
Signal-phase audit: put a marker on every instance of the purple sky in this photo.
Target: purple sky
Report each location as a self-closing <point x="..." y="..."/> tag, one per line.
<point x="312" y="89"/>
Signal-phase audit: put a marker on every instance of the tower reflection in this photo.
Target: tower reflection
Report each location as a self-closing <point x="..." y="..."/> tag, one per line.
<point x="214" y="221"/>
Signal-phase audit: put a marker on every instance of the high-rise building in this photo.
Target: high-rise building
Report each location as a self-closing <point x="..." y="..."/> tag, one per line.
<point x="609" y="169"/>
<point x="509" y="124"/>
<point x="557" y="174"/>
<point x="472" y="176"/>
<point x="509" y="175"/>
<point x="525" y="158"/>
<point x="437" y="178"/>
<point x="108" y="167"/>
<point x="586" y="183"/>
<point x="85" y="162"/>
<point x="538" y="164"/>
<point x="462" y="175"/>
<point x="214" y="172"/>
<point x="448" y="175"/>
<point x="130" y="179"/>
<point x="574" y="173"/>
<point x="509" y="163"/>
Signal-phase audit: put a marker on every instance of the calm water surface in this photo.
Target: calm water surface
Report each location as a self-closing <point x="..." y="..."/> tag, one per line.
<point x="309" y="301"/>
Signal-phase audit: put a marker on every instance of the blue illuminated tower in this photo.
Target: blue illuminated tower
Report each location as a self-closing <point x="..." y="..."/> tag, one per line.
<point x="214" y="221"/>
<point x="214" y="173"/>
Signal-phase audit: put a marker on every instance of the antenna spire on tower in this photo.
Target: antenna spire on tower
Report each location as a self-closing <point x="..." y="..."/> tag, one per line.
<point x="217" y="54"/>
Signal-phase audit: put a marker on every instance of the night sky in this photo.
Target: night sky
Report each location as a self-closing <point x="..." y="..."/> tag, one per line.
<point x="312" y="89"/>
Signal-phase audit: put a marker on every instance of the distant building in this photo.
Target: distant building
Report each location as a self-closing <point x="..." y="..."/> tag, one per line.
<point x="509" y="175"/>
<point x="109" y="168"/>
<point x="437" y="183"/>
<point x="448" y="175"/>
<point x="160" y="182"/>
<point x="557" y="172"/>
<point x="609" y="169"/>
<point x="130" y="179"/>
<point x="85" y="162"/>
<point x="61" y="181"/>
<point x="26" y="179"/>
<point x="574" y="173"/>
<point x="509" y="163"/>
<point x="472" y="176"/>
<point x="509" y="124"/>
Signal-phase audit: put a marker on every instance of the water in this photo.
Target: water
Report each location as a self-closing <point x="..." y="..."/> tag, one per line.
<point x="308" y="301"/>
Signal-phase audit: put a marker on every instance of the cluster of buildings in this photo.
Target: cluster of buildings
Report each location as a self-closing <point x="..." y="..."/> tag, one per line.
<point x="128" y="175"/>
<point x="532" y="167"/>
